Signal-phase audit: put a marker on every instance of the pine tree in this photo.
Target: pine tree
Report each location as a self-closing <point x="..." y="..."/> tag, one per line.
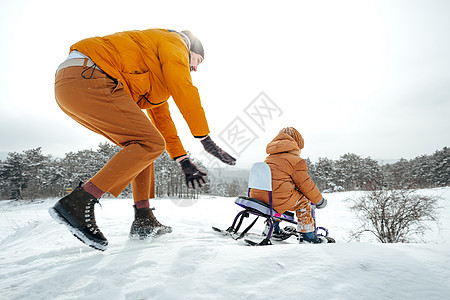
<point x="369" y="174"/>
<point x="399" y="175"/>
<point x="441" y="167"/>
<point x="348" y="167"/>
<point x="325" y="174"/>
<point x="14" y="174"/>
<point x="38" y="171"/>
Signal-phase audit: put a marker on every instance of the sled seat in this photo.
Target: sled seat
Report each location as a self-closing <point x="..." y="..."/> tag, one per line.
<point x="264" y="208"/>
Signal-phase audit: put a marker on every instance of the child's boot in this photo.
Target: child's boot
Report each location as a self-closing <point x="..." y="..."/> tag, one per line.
<point x="310" y="238"/>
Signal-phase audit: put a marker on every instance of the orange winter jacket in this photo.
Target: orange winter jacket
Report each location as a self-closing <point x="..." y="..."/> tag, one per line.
<point x="290" y="179"/>
<point x="152" y="65"/>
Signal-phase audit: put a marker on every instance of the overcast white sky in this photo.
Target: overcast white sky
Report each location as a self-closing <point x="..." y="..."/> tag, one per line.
<point x="365" y="77"/>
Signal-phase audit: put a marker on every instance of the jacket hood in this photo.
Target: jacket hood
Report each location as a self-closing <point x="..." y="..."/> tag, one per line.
<point x="282" y="143"/>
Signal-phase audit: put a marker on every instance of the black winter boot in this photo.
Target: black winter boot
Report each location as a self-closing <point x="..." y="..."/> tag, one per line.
<point x="311" y="238"/>
<point x="146" y="225"/>
<point x="76" y="211"/>
<point x="279" y="233"/>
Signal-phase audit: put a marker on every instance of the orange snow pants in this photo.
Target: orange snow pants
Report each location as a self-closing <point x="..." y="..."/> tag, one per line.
<point x="101" y="104"/>
<point x="303" y="211"/>
<point x="302" y="208"/>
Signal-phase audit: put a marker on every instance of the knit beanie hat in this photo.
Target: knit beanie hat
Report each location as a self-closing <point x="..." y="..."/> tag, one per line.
<point x="195" y="44"/>
<point x="292" y="132"/>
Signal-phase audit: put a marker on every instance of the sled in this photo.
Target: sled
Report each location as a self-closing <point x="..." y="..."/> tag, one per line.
<point x="261" y="178"/>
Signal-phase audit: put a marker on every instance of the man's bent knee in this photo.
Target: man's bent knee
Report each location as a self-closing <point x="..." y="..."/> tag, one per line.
<point x="155" y="147"/>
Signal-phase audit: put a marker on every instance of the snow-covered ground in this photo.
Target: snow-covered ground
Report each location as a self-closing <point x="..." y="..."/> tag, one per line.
<point x="40" y="259"/>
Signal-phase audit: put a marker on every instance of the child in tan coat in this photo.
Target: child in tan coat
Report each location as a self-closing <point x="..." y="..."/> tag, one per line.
<point x="292" y="188"/>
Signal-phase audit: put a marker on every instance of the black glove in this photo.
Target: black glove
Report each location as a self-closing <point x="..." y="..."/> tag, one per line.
<point x="215" y="150"/>
<point x="322" y="203"/>
<point x="192" y="173"/>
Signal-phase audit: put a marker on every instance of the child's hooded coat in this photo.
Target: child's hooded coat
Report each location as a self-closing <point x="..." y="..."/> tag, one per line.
<point x="290" y="180"/>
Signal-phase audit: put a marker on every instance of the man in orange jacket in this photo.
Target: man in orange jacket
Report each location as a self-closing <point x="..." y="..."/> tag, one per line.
<point x="104" y="84"/>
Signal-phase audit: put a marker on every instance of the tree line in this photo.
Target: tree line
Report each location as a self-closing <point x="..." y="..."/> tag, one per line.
<point x="32" y="175"/>
<point x="352" y="172"/>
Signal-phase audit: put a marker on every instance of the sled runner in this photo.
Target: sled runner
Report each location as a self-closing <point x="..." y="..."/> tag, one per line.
<point x="261" y="178"/>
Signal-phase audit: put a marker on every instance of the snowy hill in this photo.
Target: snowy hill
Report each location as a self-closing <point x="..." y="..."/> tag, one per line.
<point x="40" y="259"/>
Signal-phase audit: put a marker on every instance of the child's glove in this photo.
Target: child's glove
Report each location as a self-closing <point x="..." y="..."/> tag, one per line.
<point x="322" y="203"/>
<point x="192" y="173"/>
<point x="215" y="150"/>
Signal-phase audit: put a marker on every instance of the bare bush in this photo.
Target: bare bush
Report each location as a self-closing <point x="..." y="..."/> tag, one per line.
<point x="393" y="216"/>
